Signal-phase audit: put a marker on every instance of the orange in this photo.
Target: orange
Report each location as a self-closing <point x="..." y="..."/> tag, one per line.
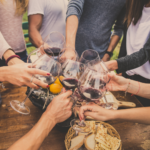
<point x="55" y="88"/>
<point x="58" y="81"/>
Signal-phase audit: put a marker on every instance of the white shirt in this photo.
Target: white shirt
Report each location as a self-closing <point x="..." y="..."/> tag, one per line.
<point x="54" y="15"/>
<point x="137" y="35"/>
<point x="11" y="27"/>
<point x="3" y="45"/>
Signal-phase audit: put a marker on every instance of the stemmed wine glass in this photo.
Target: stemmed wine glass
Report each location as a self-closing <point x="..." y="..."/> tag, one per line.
<point x="70" y="74"/>
<point x="101" y="67"/>
<point x="91" y="88"/>
<point x="46" y="63"/>
<point x="54" y="42"/>
<point x="90" y="56"/>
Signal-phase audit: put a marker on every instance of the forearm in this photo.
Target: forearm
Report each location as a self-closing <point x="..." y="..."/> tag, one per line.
<point x="34" y="138"/>
<point x="138" y="88"/>
<point x="71" y="30"/>
<point x="134" y="60"/>
<point x="14" y="60"/>
<point x="35" y="37"/>
<point x="138" y="115"/>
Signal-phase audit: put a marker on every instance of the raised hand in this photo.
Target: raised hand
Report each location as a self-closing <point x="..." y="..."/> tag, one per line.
<point x="60" y="108"/>
<point x="21" y="74"/>
<point x="117" y="83"/>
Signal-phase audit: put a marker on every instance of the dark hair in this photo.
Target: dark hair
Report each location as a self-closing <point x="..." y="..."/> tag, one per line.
<point x="134" y="10"/>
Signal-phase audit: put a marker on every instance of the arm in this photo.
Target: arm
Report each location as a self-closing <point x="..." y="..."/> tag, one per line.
<point x="35" y="22"/>
<point x="21" y="74"/>
<point x="138" y="115"/>
<point x="132" y="61"/>
<point x="119" y="83"/>
<point x="117" y="34"/>
<point x="74" y="12"/>
<point x="57" y="111"/>
<point x="6" y="52"/>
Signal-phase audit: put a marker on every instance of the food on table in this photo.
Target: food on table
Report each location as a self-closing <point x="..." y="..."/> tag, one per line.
<point x="90" y="142"/>
<point x="77" y="142"/>
<point x="55" y="88"/>
<point x="58" y="81"/>
<point x="104" y="140"/>
<point x="101" y="137"/>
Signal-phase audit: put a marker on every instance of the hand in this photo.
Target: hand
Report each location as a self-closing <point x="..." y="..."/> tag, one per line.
<point x="96" y="112"/>
<point x="68" y="53"/>
<point x="116" y="83"/>
<point x="112" y="65"/>
<point x="106" y="57"/>
<point x="42" y="47"/>
<point x="21" y="74"/>
<point x="60" y="108"/>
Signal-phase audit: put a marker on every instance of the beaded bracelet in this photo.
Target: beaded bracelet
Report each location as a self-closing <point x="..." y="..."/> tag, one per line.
<point x="127" y="88"/>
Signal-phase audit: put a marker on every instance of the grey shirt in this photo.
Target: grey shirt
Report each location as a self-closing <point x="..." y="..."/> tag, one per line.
<point x="96" y="18"/>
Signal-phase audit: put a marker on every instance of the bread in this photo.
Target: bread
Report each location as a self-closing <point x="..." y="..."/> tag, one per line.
<point x="77" y="142"/>
<point x="90" y="142"/>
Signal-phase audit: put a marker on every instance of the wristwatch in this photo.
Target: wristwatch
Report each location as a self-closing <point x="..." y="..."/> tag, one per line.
<point x="109" y="53"/>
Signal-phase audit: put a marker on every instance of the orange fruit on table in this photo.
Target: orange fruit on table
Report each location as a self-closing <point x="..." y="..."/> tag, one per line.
<point x="58" y="81"/>
<point x="55" y="88"/>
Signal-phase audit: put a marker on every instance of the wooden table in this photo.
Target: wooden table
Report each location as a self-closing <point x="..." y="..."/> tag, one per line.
<point x="13" y="125"/>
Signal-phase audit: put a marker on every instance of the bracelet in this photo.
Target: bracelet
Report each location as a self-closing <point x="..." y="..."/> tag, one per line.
<point x="127" y="88"/>
<point x="8" y="59"/>
<point x="138" y="89"/>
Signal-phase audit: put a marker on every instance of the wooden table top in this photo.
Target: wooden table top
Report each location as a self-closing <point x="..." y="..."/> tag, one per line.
<point x="13" y="125"/>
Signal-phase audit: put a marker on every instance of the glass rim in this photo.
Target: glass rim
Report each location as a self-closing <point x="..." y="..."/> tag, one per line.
<point x="89" y="50"/>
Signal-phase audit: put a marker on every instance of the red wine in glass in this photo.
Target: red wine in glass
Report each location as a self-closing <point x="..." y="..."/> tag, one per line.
<point x="90" y="94"/>
<point x="69" y="83"/>
<point x="55" y="50"/>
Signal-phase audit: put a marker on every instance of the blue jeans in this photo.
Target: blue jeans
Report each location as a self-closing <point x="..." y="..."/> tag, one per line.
<point x="23" y="55"/>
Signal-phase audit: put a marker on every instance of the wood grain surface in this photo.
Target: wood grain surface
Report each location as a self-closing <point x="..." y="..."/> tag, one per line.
<point x="13" y="125"/>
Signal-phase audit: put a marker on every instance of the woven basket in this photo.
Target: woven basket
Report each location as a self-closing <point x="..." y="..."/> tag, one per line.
<point x="110" y="130"/>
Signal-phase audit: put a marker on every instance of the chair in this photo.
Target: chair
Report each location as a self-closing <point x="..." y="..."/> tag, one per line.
<point x="25" y="27"/>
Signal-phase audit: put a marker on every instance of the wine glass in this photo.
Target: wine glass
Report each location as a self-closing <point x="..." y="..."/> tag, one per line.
<point x="70" y="74"/>
<point x="54" y="42"/>
<point x="91" y="87"/>
<point x="101" y="67"/>
<point x="90" y="56"/>
<point x="46" y="63"/>
<point x="68" y="51"/>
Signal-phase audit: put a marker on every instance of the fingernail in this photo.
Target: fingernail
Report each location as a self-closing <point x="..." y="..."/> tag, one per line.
<point x="47" y="86"/>
<point x="48" y="74"/>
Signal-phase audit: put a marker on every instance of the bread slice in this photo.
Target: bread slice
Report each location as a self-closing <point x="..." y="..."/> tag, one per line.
<point x="90" y="142"/>
<point x="77" y="142"/>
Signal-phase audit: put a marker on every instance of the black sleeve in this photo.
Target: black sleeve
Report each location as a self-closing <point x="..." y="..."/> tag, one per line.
<point x="134" y="60"/>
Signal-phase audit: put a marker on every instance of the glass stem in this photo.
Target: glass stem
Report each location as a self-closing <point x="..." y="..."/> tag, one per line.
<point x="105" y="99"/>
<point x="23" y="102"/>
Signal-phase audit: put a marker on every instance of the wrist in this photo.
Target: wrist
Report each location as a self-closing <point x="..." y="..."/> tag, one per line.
<point x="8" y="53"/>
<point x="14" y="61"/>
<point x="49" y="117"/>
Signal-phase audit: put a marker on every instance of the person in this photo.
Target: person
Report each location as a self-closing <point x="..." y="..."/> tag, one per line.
<point x="21" y="74"/>
<point x="132" y="61"/>
<point x="11" y="14"/>
<point x="137" y="36"/>
<point x="57" y="111"/>
<point x="46" y="16"/>
<point x="88" y="28"/>
<point x="119" y="83"/>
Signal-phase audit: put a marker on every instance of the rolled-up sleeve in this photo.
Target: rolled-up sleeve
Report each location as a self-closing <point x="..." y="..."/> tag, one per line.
<point x="4" y="46"/>
<point x="119" y="24"/>
<point x="134" y="60"/>
<point x="75" y="7"/>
